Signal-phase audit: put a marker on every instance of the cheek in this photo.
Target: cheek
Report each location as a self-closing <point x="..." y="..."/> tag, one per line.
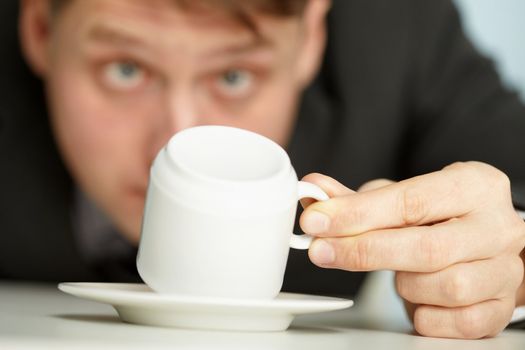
<point x="100" y="141"/>
<point x="273" y="113"/>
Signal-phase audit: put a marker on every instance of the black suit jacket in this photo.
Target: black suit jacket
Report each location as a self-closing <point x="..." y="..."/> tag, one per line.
<point x="401" y="92"/>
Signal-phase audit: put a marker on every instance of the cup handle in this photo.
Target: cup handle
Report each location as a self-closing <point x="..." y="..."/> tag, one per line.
<point x="306" y="190"/>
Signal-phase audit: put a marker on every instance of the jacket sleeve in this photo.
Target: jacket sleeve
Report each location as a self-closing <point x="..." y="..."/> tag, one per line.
<point x="460" y="109"/>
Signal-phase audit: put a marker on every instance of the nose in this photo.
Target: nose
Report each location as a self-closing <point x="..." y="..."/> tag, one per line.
<point x="181" y="110"/>
<point x="178" y="113"/>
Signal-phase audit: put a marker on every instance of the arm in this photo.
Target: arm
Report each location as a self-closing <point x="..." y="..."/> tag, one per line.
<point x="462" y="112"/>
<point x="451" y="235"/>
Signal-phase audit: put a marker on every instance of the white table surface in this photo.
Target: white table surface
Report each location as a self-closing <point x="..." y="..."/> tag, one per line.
<point x="40" y="316"/>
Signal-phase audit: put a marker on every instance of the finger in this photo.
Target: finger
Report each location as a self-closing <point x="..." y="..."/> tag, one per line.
<point x="486" y="319"/>
<point x="412" y="249"/>
<point x="332" y="187"/>
<point x="374" y="184"/>
<point x="462" y="284"/>
<point x="452" y="192"/>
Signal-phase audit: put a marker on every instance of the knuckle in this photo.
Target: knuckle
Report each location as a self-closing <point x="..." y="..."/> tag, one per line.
<point x="402" y="287"/>
<point x="479" y="174"/>
<point x="412" y="286"/>
<point x="456" y="166"/>
<point x="456" y="289"/>
<point x="465" y="170"/>
<point x="496" y="178"/>
<point x="513" y="227"/>
<point x="469" y="168"/>
<point x="422" y="323"/>
<point x="470" y="323"/>
<point x="516" y="274"/>
<point x="357" y="255"/>
<point x="488" y="177"/>
<point x="432" y="254"/>
<point x="414" y="207"/>
<point x="348" y="218"/>
<point x="504" y="182"/>
<point x="519" y="229"/>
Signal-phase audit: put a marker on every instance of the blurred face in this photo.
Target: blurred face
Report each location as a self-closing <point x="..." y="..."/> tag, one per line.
<point x="122" y="76"/>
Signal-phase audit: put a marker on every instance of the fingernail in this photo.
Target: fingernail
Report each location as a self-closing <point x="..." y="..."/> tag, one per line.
<point x="322" y="253"/>
<point x="315" y="222"/>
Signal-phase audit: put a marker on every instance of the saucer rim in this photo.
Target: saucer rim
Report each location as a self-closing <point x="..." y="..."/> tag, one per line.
<point x="99" y="291"/>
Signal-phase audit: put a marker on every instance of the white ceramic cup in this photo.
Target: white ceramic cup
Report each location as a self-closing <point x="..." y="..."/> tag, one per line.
<point x="219" y="215"/>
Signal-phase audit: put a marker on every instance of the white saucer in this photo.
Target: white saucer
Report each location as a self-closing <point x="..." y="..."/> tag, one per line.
<point x="137" y="303"/>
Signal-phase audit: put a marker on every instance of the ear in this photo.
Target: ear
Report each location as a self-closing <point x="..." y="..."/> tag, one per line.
<point x="314" y="40"/>
<point x="34" y="27"/>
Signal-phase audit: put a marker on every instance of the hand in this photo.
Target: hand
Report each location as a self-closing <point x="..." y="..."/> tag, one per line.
<point x="452" y="237"/>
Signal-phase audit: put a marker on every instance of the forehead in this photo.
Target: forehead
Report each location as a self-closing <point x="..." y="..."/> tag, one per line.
<point x="164" y="23"/>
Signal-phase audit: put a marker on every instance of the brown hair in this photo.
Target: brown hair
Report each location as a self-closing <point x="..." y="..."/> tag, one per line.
<point x="240" y="10"/>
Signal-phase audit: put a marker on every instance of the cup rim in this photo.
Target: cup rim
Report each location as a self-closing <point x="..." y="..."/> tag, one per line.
<point x="284" y="160"/>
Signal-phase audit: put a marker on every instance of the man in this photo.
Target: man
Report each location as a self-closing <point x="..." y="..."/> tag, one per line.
<point x="395" y="92"/>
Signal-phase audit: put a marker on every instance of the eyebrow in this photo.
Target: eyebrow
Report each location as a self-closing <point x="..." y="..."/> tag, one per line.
<point x="117" y="35"/>
<point x="259" y="42"/>
<point x="125" y="36"/>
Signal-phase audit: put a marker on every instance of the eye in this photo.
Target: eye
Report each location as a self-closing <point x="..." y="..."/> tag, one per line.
<point x="124" y="75"/>
<point x="235" y="82"/>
